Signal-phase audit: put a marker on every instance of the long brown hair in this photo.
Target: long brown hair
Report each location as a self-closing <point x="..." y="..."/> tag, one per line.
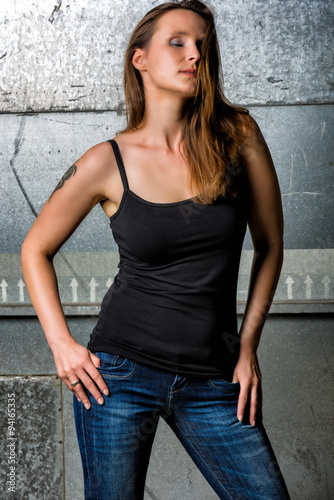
<point x="212" y="127"/>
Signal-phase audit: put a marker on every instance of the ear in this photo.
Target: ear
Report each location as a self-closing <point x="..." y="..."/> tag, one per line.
<point x="138" y="59"/>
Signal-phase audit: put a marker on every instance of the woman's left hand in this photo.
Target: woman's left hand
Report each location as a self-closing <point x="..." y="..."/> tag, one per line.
<point x="247" y="373"/>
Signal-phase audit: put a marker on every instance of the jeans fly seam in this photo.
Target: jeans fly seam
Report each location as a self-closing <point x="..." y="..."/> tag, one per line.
<point x="180" y="389"/>
<point x="174" y="381"/>
<point x="202" y="458"/>
<point x="169" y="402"/>
<point x="171" y="390"/>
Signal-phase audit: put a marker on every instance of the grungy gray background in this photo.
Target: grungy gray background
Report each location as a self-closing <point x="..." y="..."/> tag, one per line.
<point x="61" y="69"/>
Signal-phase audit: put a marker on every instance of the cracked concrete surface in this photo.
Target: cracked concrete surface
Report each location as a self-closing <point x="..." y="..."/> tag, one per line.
<point x="52" y="59"/>
<point x="17" y="144"/>
<point x="55" y="10"/>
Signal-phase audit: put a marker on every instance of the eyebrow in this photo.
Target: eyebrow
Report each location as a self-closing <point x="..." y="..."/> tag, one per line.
<point x="183" y="33"/>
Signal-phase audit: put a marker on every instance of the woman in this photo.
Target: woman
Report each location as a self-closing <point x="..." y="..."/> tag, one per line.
<point x="179" y="184"/>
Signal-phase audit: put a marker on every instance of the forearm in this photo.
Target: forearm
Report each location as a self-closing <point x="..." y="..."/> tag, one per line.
<point x="265" y="272"/>
<point x="41" y="281"/>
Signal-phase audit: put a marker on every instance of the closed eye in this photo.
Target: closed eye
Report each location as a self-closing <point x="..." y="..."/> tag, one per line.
<point x="175" y="44"/>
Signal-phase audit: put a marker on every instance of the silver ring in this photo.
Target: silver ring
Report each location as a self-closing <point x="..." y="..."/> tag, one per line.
<point x="75" y="383"/>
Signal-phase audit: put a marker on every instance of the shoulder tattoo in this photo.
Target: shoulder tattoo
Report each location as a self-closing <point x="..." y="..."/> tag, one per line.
<point x="71" y="171"/>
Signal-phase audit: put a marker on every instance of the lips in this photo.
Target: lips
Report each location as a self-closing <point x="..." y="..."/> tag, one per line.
<point x="191" y="72"/>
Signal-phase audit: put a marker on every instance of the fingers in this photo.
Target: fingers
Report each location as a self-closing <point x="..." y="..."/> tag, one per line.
<point x="79" y="392"/>
<point x="253" y="404"/>
<point x="250" y="393"/>
<point x="74" y="384"/>
<point x="84" y="371"/>
<point x="90" y="379"/>
<point x="242" y="401"/>
<point x="86" y="382"/>
<point x="96" y="361"/>
<point x="95" y="374"/>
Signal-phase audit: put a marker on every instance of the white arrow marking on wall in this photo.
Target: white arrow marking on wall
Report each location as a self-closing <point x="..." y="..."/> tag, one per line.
<point x="4" y="290"/>
<point x="109" y="282"/>
<point x="289" y="282"/>
<point x="21" y="285"/>
<point x="74" y="286"/>
<point x="308" y="283"/>
<point x="326" y="281"/>
<point x="92" y="285"/>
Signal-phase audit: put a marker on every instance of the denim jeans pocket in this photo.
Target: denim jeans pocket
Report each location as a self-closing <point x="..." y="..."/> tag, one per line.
<point x="225" y="386"/>
<point x="115" y="365"/>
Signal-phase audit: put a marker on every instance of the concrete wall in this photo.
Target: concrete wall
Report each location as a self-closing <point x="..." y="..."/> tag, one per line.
<point x="61" y="92"/>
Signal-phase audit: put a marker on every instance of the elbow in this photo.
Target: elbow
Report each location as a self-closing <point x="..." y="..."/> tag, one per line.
<point x="30" y="250"/>
<point x="27" y="247"/>
<point x="272" y="254"/>
<point x="267" y="247"/>
<point x="269" y="239"/>
<point x="27" y="252"/>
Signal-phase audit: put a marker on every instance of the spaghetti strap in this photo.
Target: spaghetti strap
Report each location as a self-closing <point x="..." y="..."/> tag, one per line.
<point x="120" y="163"/>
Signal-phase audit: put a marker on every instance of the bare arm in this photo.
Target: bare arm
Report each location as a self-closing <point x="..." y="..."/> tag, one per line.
<point x="265" y="221"/>
<point x="79" y="190"/>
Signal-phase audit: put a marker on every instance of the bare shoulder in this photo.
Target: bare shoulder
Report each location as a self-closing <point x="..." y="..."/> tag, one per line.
<point x="99" y="167"/>
<point x="89" y="175"/>
<point x="98" y="158"/>
<point x="250" y="128"/>
<point x="254" y="151"/>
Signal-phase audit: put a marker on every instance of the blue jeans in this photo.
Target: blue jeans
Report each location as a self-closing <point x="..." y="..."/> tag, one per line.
<point x="115" y="439"/>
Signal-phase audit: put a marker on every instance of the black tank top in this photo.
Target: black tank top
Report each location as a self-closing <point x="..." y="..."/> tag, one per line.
<point x="172" y="304"/>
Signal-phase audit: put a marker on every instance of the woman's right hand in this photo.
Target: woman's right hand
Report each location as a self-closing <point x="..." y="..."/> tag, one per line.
<point x="75" y="362"/>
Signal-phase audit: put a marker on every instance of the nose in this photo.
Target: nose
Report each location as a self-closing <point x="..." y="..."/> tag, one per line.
<point x="193" y="54"/>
